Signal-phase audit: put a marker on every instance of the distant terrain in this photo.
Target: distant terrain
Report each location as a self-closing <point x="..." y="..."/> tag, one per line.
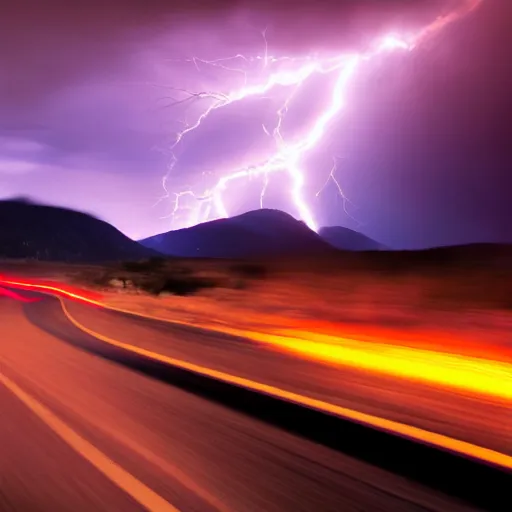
<point x="258" y="233"/>
<point x="349" y="240"/>
<point x="447" y="296"/>
<point x="47" y="233"/>
<point x="450" y="298"/>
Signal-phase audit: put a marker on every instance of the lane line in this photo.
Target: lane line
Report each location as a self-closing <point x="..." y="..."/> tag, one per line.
<point x="173" y="471"/>
<point x="482" y="376"/>
<point x="413" y="433"/>
<point x="146" y="497"/>
<point x="487" y="379"/>
<point x="55" y="291"/>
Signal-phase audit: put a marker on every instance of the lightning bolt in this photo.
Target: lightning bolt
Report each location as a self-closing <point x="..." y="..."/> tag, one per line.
<point x="291" y="73"/>
<point x="339" y="189"/>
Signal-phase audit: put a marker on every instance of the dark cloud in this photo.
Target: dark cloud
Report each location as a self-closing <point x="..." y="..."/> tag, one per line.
<point x="43" y="44"/>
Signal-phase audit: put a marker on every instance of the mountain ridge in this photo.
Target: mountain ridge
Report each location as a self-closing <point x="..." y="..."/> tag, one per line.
<point x="349" y="240"/>
<point x="49" y="233"/>
<point x="257" y="233"/>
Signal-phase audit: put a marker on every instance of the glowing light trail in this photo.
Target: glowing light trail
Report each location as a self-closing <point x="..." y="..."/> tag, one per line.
<point x="287" y="157"/>
<point x="53" y="288"/>
<point x="447" y="370"/>
<point x="4" y="292"/>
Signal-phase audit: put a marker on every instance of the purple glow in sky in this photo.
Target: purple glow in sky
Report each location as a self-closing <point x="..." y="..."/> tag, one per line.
<point x="291" y="74"/>
<point x="87" y="119"/>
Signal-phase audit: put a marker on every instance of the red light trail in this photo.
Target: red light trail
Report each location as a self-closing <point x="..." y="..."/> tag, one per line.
<point x="58" y="289"/>
<point x="447" y="370"/>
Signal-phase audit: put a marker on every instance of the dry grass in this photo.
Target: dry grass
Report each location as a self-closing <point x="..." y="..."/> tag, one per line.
<point x="456" y="305"/>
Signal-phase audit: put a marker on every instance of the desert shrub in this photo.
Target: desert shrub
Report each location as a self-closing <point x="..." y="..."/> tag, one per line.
<point x="99" y="277"/>
<point x="480" y="290"/>
<point x="151" y="265"/>
<point x="134" y="266"/>
<point x="182" y="271"/>
<point x="157" y="262"/>
<point x="249" y="270"/>
<point x="177" y="285"/>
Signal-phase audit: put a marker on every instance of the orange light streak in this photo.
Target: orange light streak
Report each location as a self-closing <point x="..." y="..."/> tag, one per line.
<point x="446" y="370"/>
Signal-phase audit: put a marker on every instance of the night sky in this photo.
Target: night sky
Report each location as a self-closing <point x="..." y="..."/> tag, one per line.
<point x="424" y="145"/>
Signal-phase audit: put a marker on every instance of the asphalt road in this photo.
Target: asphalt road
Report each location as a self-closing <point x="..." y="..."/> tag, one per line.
<point x="86" y="427"/>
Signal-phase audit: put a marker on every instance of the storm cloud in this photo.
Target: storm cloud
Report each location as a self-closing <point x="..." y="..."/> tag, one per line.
<point x="86" y="121"/>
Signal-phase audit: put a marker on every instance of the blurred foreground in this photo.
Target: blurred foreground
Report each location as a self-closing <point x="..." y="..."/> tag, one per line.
<point x="421" y="345"/>
<point x="456" y="299"/>
<point x="442" y="316"/>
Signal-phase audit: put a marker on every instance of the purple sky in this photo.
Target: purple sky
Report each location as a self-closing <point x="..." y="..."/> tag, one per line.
<point x="424" y="143"/>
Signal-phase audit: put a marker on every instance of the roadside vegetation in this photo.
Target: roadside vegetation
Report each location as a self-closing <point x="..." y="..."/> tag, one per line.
<point x="455" y="291"/>
<point x="160" y="276"/>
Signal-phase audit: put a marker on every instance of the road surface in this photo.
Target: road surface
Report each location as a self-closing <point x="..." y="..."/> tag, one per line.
<point x="86" y="427"/>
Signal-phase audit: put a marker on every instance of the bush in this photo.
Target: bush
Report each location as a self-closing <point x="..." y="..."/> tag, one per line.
<point x="151" y="265"/>
<point x="249" y="270"/>
<point x="177" y="285"/>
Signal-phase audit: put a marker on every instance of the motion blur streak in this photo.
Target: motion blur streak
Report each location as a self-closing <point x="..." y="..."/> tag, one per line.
<point x="415" y="433"/>
<point x="480" y="375"/>
<point x="12" y="295"/>
<point x="288" y="156"/>
<point x="74" y="294"/>
<point x="136" y="489"/>
<point x="476" y="375"/>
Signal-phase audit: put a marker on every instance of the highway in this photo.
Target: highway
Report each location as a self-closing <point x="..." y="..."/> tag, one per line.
<point x="90" y="426"/>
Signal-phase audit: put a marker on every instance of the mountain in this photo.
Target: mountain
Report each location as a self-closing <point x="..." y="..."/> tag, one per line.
<point x="29" y="230"/>
<point x="259" y="233"/>
<point x="349" y="240"/>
